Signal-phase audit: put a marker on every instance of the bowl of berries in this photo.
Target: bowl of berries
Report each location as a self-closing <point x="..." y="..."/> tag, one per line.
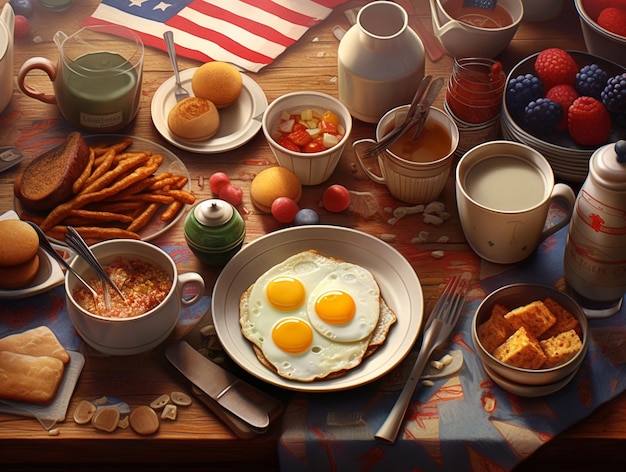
<point x="565" y="104"/>
<point x="603" y="23"/>
<point x="307" y="132"/>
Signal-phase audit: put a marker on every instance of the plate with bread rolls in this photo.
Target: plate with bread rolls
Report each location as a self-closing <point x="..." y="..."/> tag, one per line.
<point x="106" y="186"/>
<point x="25" y="268"/>
<point x="217" y="117"/>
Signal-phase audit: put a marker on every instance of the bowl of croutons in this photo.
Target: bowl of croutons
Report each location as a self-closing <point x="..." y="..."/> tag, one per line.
<point x="531" y="339"/>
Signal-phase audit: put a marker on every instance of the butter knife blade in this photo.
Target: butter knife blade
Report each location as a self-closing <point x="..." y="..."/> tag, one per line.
<point x="238" y="397"/>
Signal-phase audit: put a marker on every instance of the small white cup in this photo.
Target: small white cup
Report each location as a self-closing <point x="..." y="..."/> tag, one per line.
<point x="409" y="181"/>
<point x="504" y="191"/>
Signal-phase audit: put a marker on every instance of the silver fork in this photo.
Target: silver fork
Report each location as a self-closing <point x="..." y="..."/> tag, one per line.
<point x="409" y="121"/>
<point x="438" y="328"/>
<point x="180" y="92"/>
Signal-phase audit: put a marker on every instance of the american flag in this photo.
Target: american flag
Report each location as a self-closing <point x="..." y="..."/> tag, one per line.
<point x="247" y="33"/>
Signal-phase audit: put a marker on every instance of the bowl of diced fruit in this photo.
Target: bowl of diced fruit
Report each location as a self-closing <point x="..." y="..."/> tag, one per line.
<point x="565" y="104"/>
<point x="307" y="132"/>
<point x="603" y="23"/>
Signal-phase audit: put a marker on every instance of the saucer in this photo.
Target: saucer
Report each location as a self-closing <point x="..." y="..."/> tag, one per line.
<point x="48" y="276"/>
<point x="238" y="123"/>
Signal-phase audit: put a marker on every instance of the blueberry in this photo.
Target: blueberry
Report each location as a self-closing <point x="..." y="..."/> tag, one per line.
<point x="542" y="116"/>
<point x="520" y="91"/>
<point x="306" y="216"/>
<point x="22" y="7"/>
<point x="620" y="150"/>
<point x="590" y="81"/>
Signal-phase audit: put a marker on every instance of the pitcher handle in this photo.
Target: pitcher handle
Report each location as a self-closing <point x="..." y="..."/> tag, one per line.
<point x="371" y="175"/>
<point x="190" y="279"/>
<point x="37" y="63"/>
<point x="563" y="193"/>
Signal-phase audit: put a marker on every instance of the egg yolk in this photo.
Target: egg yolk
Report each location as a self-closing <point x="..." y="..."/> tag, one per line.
<point x="285" y="293"/>
<point x="292" y="335"/>
<point x="335" y="307"/>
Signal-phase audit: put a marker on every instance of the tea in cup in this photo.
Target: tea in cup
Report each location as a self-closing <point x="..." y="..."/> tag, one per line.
<point x="504" y="191"/>
<point x="97" y="81"/>
<point x="414" y="171"/>
<point x="7" y="22"/>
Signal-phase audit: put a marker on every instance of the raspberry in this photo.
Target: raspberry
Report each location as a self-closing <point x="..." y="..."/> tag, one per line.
<point x="588" y="122"/>
<point x="591" y="80"/>
<point x="594" y="7"/>
<point x="614" y="94"/>
<point x="564" y="95"/>
<point x="520" y="91"/>
<point x="542" y="116"/>
<point x="614" y="20"/>
<point x="555" y="66"/>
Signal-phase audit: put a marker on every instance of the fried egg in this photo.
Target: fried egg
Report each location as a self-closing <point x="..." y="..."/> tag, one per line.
<point x="275" y="315"/>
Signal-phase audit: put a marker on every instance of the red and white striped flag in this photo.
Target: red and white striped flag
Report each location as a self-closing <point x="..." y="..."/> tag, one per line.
<point x="247" y="33"/>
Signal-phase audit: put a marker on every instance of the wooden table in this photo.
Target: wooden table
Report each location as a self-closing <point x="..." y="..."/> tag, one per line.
<point x="198" y="440"/>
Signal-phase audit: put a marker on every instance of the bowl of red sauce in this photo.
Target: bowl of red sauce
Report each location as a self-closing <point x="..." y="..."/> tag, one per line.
<point x="154" y="294"/>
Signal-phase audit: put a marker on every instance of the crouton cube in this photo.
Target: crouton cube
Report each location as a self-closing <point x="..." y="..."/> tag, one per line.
<point x="560" y="348"/>
<point x="522" y="350"/>
<point x="534" y="317"/>
<point x="564" y="320"/>
<point x="495" y="330"/>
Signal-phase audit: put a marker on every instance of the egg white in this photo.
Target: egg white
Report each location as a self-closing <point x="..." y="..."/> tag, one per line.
<point x="359" y="284"/>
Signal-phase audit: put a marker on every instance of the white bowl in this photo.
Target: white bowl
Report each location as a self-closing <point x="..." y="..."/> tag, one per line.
<point x="599" y="41"/>
<point x="516" y="295"/>
<point x="311" y="168"/>
<point x="141" y="333"/>
<point x="464" y="40"/>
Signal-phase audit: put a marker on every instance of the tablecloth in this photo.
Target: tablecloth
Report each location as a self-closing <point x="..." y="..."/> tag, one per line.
<point x="464" y="422"/>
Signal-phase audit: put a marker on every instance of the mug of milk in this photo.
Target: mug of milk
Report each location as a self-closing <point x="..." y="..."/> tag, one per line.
<point x="504" y="191"/>
<point x="97" y="79"/>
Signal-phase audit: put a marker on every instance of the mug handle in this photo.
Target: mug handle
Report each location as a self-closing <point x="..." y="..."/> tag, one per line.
<point x="371" y="175"/>
<point x="564" y="193"/>
<point x="189" y="278"/>
<point x="37" y="63"/>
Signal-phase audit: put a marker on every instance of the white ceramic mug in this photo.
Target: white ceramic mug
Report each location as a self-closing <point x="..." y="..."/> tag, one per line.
<point x="7" y="22"/>
<point x="504" y="191"/>
<point x="409" y="181"/>
<point x="126" y="336"/>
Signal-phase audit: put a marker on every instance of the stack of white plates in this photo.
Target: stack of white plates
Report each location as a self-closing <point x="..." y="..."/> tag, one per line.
<point x="569" y="161"/>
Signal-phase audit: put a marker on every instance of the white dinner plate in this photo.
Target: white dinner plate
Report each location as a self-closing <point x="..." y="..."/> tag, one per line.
<point x="48" y="276"/>
<point x="399" y="286"/>
<point x="238" y="123"/>
<point x="171" y="163"/>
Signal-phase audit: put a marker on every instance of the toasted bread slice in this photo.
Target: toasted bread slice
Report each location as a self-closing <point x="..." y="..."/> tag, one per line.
<point x="48" y="179"/>
<point x="495" y="330"/>
<point x="29" y="379"/>
<point x="39" y="341"/>
<point x="564" y="320"/>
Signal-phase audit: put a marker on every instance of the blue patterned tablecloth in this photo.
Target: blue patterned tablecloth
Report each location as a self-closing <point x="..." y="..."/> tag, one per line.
<point x="464" y="422"/>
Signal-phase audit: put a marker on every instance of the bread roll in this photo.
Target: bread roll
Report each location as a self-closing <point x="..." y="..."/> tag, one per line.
<point x="194" y="119"/>
<point x="274" y="182"/>
<point x="217" y="81"/>
<point x="19" y="259"/>
<point x="28" y="378"/>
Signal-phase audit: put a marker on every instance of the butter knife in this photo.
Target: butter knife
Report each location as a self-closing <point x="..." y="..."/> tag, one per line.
<point x="249" y="404"/>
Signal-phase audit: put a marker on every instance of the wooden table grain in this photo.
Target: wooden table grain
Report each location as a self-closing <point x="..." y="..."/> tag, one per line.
<point x="197" y="440"/>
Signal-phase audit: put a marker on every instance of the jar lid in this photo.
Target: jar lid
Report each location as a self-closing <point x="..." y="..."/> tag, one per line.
<point x="610" y="167"/>
<point x="213" y="212"/>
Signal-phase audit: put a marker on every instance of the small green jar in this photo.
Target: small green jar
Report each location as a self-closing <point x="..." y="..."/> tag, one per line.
<point x="214" y="231"/>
